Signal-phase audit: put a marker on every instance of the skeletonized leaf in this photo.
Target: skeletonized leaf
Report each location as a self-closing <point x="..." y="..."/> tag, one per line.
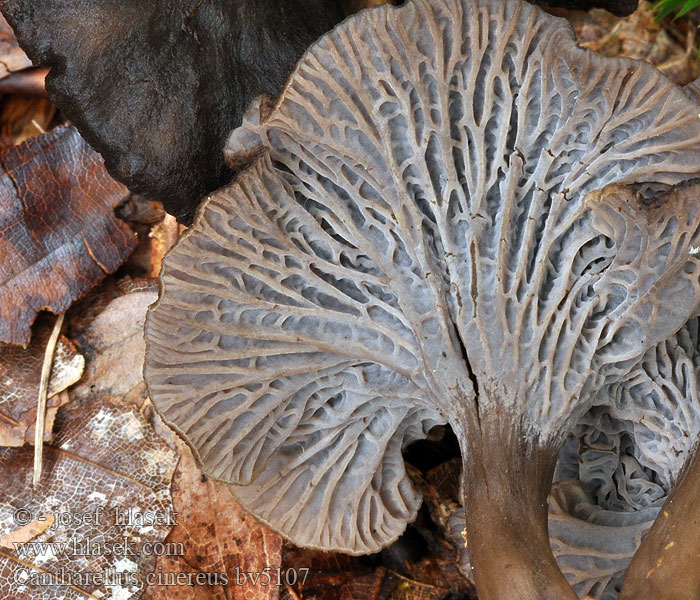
<point x="104" y="458"/>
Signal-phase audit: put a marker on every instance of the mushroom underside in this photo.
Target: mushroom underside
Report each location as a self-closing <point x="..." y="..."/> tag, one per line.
<point x="458" y="216"/>
<point x="620" y="465"/>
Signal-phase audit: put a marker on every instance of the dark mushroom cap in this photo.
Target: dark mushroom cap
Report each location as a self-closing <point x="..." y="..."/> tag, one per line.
<point x="439" y="204"/>
<point x="156" y="86"/>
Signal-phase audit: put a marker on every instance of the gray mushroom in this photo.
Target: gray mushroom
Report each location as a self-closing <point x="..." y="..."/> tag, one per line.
<point x="620" y="465"/>
<point x="632" y="458"/>
<point x="665" y="566"/>
<point x="436" y="232"/>
<point x="619" y="470"/>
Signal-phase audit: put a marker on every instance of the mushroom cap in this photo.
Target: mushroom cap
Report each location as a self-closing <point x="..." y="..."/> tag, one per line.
<point x="439" y="204"/>
<point x="156" y="86"/>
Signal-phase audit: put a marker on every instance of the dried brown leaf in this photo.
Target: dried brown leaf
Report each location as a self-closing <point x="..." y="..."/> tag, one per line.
<point x="218" y="537"/>
<point x="114" y="346"/>
<point x="58" y="232"/>
<point x="378" y="585"/>
<point x="19" y="432"/>
<point x="154" y="242"/>
<point x="439" y="576"/>
<point x="104" y="458"/>
<point x="671" y="46"/>
<point x="87" y="309"/>
<point x="12" y="57"/>
<point x="20" y="372"/>
<point x="332" y="576"/>
<point x="29" y="83"/>
<point x="358" y="583"/>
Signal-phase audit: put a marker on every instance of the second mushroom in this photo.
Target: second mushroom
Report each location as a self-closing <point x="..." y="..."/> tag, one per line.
<point x="458" y="216"/>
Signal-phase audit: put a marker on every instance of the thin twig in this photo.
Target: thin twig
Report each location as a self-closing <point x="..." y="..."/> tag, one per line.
<point x="43" y="393"/>
<point x="39" y="128"/>
<point x="291" y="591"/>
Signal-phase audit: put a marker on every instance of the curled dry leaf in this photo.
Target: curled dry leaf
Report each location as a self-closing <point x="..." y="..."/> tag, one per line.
<point x="12" y="57"/>
<point x="59" y="232"/>
<point x="25" y="83"/>
<point x="114" y="346"/>
<point x="154" y="242"/>
<point x="20" y="371"/>
<point x="104" y="459"/>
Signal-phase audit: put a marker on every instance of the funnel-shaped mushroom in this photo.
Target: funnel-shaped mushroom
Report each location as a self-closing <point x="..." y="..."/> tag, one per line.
<point x="631" y="457"/>
<point x="423" y="243"/>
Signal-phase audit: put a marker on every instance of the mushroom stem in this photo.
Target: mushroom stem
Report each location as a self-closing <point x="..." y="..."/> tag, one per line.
<point x="666" y="565"/>
<point x="506" y="483"/>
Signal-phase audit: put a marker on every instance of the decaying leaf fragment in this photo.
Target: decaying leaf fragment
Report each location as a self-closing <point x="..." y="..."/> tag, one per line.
<point x="20" y="370"/>
<point x="218" y="537"/>
<point x="58" y="232"/>
<point x="670" y="47"/>
<point x="105" y="461"/>
<point x="114" y="346"/>
<point x="27" y="532"/>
